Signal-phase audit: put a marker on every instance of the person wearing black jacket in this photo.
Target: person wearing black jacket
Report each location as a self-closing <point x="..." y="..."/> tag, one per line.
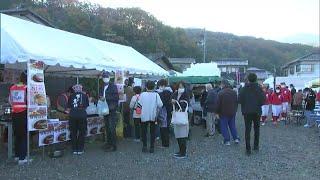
<point x="310" y="103"/>
<point x="111" y="95"/>
<point x="77" y="103"/>
<point x="210" y="106"/>
<point x="227" y="105"/>
<point x="251" y="99"/>
<point x="165" y="95"/>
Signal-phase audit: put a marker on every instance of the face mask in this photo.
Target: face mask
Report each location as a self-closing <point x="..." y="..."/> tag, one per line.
<point x="181" y="90"/>
<point x="106" y="80"/>
<point x="277" y="91"/>
<point x="283" y="86"/>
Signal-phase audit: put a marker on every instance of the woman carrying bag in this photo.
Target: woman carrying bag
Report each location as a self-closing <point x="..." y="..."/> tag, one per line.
<point x="136" y="112"/>
<point x="180" y="102"/>
<point x="150" y="102"/>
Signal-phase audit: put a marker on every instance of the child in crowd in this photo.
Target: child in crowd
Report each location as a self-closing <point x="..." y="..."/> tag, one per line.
<point x="265" y="107"/>
<point x="286" y="94"/>
<point x="276" y="101"/>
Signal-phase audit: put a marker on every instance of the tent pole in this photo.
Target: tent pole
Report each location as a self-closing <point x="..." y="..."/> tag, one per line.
<point x="77" y="79"/>
<point x="98" y="88"/>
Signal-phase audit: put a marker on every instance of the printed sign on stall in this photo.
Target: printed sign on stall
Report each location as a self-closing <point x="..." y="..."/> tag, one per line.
<point x="36" y="94"/>
<point x="95" y="125"/>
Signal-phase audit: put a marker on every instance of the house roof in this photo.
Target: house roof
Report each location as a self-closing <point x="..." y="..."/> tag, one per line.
<point x="231" y="59"/>
<point x="182" y="60"/>
<point x="27" y="13"/>
<point x="314" y="56"/>
<point x="156" y="57"/>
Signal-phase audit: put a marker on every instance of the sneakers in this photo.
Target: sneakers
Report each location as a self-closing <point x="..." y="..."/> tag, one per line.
<point x="80" y="152"/>
<point x="111" y="149"/>
<point x="22" y="162"/>
<point x="248" y="152"/>
<point x="176" y="154"/>
<point x="157" y="138"/>
<point x="16" y="159"/>
<point x="144" y="149"/>
<point x="227" y="143"/>
<point x="306" y="126"/>
<point x="262" y="124"/>
<point x="180" y="156"/>
<point x="75" y="153"/>
<point x="237" y="141"/>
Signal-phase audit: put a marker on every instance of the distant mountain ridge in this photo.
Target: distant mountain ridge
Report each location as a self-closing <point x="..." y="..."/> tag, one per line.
<point x="260" y="53"/>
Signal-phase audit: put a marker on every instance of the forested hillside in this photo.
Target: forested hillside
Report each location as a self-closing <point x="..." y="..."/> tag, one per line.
<point x="142" y="31"/>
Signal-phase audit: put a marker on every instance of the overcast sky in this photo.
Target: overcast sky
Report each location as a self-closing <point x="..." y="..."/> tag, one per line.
<point x="269" y="19"/>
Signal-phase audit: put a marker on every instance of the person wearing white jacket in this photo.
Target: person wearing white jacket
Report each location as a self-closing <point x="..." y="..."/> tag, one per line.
<point x="150" y="102"/>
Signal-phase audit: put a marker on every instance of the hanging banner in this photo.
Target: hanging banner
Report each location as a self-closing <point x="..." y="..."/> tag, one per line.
<point x="119" y="82"/>
<point x="36" y="94"/>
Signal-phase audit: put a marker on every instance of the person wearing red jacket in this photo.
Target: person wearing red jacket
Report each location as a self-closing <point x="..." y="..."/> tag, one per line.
<point x="265" y="107"/>
<point x="276" y="101"/>
<point x="286" y="94"/>
<point x="18" y="101"/>
<point x="318" y="97"/>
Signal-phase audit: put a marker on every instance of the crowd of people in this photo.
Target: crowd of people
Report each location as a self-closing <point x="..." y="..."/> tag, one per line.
<point x="151" y="109"/>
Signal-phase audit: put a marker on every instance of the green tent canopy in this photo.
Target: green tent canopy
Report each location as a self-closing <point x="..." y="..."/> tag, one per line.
<point x="195" y="79"/>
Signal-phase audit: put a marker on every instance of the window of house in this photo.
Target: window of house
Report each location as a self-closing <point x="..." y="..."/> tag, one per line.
<point x="291" y="70"/>
<point x="304" y="68"/>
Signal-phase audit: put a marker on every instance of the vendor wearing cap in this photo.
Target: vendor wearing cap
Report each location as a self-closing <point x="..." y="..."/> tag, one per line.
<point x="77" y="103"/>
<point x="18" y="101"/>
<point x="111" y="95"/>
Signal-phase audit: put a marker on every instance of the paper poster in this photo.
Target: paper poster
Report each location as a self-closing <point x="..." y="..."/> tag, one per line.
<point x="36" y="94"/>
<point x="61" y="132"/>
<point x="46" y="137"/>
<point x="95" y="125"/>
<point x="58" y="131"/>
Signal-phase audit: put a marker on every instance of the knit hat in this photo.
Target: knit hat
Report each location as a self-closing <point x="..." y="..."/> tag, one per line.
<point x="77" y="88"/>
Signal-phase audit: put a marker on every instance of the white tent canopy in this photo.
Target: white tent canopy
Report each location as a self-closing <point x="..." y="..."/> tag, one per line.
<point x="298" y="82"/>
<point x="202" y="69"/>
<point x="23" y="40"/>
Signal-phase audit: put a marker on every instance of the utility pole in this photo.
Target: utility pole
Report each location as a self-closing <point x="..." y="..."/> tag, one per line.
<point x="204" y="45"/>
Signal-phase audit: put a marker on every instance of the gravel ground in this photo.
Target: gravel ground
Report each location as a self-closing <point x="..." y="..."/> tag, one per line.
<point x="286" y="152"/>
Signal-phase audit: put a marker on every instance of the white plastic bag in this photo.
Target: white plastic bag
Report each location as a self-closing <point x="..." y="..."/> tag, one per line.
<point x="91" y="109"/>
<point x="180" y="117"/>
<point x="103" y="108"/>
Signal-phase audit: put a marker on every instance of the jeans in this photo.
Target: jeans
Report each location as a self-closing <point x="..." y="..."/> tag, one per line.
<point x="137" y="129"/>
<point x="182" y="142"/>
<point x="248" y="119"/>
<point x="144" y="127"/>
<point x="226" y="123"/>
<point x="78" y="129"/>
<point x="164" y="132"/>
<point x="111" y="123"/>
<point x="307" y="114"/>
<point x="210" y="121"/>
<point x="20" y="134"/>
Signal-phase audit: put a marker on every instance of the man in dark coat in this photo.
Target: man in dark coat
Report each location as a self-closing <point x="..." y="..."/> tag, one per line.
<point x="111" y="95"/>
<point x="251" y="99"/>
<point x="227" y="106"/>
